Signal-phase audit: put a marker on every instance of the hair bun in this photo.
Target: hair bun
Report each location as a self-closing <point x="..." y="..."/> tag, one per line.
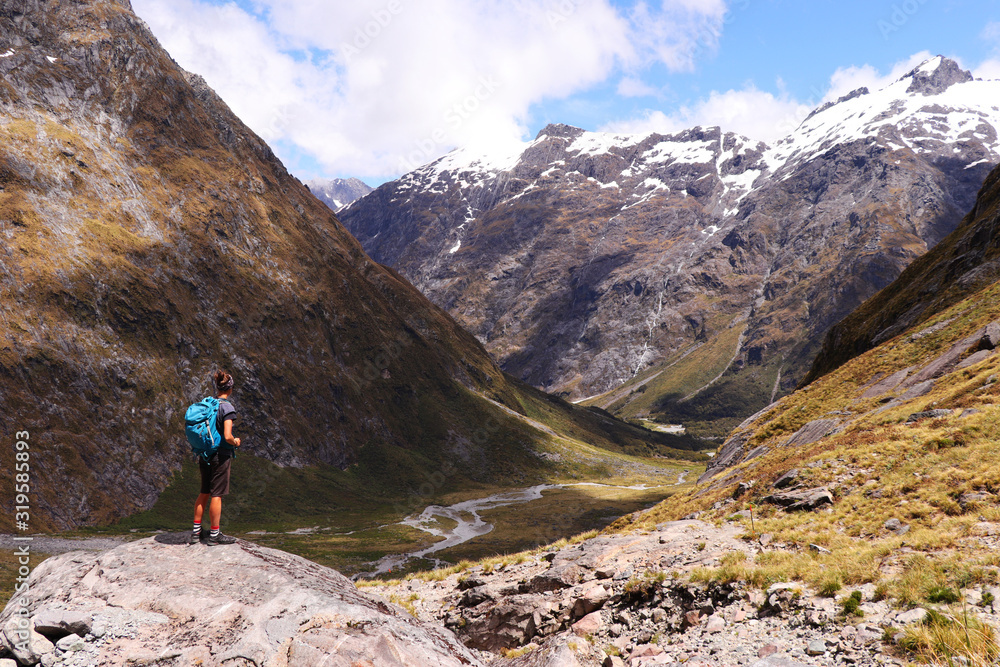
<point x="223" y="380"/>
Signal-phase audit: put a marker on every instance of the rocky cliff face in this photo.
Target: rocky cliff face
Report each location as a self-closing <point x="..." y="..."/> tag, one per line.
<point x="690" y="276"/>
<point x="964" y="263"/>
<point x="869" y="370"/>
<point x="149" y="237"/>
<point x="338" y="192"/>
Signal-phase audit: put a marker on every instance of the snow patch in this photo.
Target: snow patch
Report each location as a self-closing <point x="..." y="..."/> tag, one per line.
<point x="930" y="66"/>
<point x="7" y="54"/>
<point x="600" y="143"/>
<point x="895" y="111"/>
<point x="454" y="249"/>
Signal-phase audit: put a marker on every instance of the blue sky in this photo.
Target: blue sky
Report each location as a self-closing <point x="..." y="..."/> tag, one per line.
<point x="377" y="87"/>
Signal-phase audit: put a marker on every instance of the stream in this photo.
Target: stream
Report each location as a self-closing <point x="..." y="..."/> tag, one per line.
<point x="469" y="524"/>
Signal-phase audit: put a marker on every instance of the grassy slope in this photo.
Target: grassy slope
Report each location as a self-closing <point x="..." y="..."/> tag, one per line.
<point x="681" y="389"/>
<point x="880" y="467"/>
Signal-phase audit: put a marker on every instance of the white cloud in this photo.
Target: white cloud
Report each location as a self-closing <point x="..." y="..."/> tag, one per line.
<point x="767" y="116"/>
<point x="374" y="87"/>
<point x="988" y="70"/>
<point x="849" y="79"/>
<point x="655" y="31"/>
<point x="754" y="113"/>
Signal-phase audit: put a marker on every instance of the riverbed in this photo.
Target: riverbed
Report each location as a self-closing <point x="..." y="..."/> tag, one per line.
<point x="468" y="524"/>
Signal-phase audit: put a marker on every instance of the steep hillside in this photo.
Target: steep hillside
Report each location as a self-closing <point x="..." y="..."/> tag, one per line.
<point x="149" y="237"/>
<point x="936" y="379"/>
<point x="687" y="277"/>
<point x="960" y="265"/>
<point x="880" y="478"/>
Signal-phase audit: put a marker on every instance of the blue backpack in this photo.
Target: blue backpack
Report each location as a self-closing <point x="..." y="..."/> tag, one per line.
<point x="202" y="428"/>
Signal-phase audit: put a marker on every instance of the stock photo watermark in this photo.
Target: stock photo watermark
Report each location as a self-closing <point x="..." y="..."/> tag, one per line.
<point x="364" y="35"/>
<point x="561" y="12"/>
<point x="417" y="498"/>
<point x="454" y="117"/>
<point x="901" y="14"/>
<point x="378" y="366"/>
<point x="708" y="39"/>
<point x="22" y="519"/>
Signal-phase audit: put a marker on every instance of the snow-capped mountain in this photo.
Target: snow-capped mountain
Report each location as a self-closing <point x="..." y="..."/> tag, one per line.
<point x="690" y="276"/>
<point x="337" y="193"/>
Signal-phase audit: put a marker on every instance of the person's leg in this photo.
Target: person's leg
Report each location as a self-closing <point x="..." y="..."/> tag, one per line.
<point x="204" y="497"/>
<point x="215" y="512"/>
<point x="220" y="487"/>
<point x="200" y="505"/>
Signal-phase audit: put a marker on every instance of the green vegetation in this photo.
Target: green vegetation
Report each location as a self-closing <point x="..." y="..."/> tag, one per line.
<point x="851" y="604"/>
<point x="343" y="520"/>
<point x="696" y="387"/>
<point x="9" y="566"/>
<point x="942" y="594"/>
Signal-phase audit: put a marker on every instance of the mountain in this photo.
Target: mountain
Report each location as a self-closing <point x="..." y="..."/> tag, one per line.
<point x="149" y="237"/>
<point x="338" y="192"/>
<point x="688" y="277"/>
<point x="924" y="347"/>
<point x="964" y="263"/>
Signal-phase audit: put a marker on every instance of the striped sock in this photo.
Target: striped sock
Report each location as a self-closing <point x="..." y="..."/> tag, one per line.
<point x="215" y="531"/>
<point x="196" y="531"/>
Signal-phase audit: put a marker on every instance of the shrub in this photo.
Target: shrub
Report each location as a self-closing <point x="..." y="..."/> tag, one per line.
<point x="942" y="594"/>
<point x="851" y="604"/>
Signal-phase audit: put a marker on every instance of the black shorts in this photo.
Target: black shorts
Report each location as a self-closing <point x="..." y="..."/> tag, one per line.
<point x="215" y="474"/>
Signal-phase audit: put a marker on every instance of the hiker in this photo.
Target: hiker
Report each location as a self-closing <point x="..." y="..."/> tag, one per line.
<point x="215" y="469"/>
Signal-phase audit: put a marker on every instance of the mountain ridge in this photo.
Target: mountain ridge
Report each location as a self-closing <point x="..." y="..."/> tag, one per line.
<point x="338" y="193"/>
<point x="587" y="262"/>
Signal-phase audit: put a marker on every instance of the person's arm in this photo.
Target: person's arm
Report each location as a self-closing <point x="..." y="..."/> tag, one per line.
<point x="227" y="433"/>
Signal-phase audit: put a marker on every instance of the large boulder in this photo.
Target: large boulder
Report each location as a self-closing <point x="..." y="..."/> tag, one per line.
<point x="509" y="624"/>
<point x="159" y="596"/>
<point x="801" y="499"/>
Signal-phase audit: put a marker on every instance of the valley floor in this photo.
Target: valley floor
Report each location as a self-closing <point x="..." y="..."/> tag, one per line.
<point x="366" y="537"/>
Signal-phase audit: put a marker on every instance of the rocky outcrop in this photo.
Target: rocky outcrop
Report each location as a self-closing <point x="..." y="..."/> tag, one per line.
<point x="160" y="601"/>
<point x="648" y="611"/>
<point x="631" y="603"/>
<point x="801" y="499"/>
<point x="588" y="260"/>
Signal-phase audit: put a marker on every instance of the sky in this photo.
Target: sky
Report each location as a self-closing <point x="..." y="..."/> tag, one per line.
<point x="376" y="88"/>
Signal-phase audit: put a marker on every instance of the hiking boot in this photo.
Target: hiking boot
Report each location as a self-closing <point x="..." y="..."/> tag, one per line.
<point x="201" y="537"/>
<point x="220" y="539"/>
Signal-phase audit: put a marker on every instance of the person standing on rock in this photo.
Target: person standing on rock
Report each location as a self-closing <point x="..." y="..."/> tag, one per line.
<point x="215" y="469"/>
